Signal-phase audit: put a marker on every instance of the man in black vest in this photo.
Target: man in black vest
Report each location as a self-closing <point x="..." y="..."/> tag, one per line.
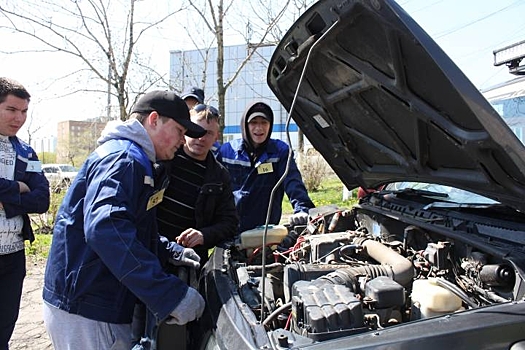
<point x="198" y="210"/>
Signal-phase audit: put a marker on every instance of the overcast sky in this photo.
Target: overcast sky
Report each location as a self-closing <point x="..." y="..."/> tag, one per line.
<point x="467" y="30"/>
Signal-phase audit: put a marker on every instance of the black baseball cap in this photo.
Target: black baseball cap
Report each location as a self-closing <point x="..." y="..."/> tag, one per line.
<point x="169" y="104"/>
<point x="194" y="92"/>
<point x="260" y="109"/>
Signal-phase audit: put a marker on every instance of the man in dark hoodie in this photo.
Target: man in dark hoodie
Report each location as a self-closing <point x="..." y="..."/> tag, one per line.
<point x="106" y="256"/>
<point x="256" y="163"/>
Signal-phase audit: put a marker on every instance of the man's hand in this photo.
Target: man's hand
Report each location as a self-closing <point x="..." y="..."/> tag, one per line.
<point x="190" y="238"/>
<point x="23" y="187"/>
<point x="299" y="219"/>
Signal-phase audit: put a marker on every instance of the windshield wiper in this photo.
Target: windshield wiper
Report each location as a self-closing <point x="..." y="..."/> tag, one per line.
<point x="461" y="205"/>
<point x="416" y="192"/>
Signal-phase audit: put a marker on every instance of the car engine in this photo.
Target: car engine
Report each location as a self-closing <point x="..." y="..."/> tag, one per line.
<point x="377" y="265"/>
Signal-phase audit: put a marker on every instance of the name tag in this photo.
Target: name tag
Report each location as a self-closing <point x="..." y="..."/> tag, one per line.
<point x="155" y="199"/>
<point x="265" y="168"/>
<point x="34" y="166"/>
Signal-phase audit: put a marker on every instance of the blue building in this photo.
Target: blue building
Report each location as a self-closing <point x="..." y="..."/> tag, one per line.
<point x="199" y="68"/>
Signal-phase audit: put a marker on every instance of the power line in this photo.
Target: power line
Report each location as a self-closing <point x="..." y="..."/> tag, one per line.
<point x="426" y="7"/>
<point x="514" y="35"/>
<point x="492" y="76"/>
<point x="450" y="31"/>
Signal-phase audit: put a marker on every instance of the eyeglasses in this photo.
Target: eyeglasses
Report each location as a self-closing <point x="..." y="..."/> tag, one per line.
<point x="210" y="109"/>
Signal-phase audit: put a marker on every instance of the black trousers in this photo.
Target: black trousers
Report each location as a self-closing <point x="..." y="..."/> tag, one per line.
<point x="12" y="273"/>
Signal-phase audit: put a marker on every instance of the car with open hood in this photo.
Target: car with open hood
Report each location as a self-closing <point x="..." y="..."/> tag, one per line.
<point x="434" y="257"/>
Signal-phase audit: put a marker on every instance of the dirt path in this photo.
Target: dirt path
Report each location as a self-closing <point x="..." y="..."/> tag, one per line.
<point x="29" y="331"/>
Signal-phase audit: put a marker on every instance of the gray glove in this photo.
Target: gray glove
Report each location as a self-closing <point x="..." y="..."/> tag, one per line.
<point x="177" y="255"/>
<point x="299" y="218"/>
<point x="180" y="256"/>
<point x="190" y="308"/>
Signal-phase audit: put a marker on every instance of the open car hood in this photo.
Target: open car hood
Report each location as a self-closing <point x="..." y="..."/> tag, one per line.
<point x="382" y="103"/>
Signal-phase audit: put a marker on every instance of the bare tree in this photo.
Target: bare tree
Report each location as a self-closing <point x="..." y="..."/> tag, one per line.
<point x="256" y="21"/>
<point x="100" y="34"/>
<point x="32" y="127"/>
<point x="299" y="6"/>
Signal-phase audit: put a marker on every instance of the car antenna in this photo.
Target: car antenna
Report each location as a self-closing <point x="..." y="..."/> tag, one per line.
<point x="290" y="152"/>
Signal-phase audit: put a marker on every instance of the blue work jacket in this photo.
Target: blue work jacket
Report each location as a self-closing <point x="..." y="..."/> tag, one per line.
<point x="28" y="171"/>
<point x="104" y="255"/>
<point x="252" y="183"/>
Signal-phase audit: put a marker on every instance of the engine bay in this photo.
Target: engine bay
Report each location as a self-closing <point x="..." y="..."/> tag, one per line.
<point x="351" y="271"/>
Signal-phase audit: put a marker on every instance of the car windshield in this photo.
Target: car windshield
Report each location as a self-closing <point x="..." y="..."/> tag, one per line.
<point x="68" y="168"/>
<point x="453" y="194"/>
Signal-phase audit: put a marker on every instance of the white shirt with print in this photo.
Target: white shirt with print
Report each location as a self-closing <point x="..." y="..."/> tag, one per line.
<point x="11" y="239"/>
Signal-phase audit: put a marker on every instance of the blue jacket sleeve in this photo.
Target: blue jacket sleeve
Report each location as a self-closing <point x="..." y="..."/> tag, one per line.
<point x="296" y="190"/>
<point x="9" y="192"/>
<point x="117" y="225"/>
<point x="34" y="201"/>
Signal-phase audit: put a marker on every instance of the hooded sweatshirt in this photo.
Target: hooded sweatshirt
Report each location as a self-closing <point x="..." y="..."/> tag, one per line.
<point x="255" y="108"/>
<point x="255" y="171"/>
<point x="103" y="258"/>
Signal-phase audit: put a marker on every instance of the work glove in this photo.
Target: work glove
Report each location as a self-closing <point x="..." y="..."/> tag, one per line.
<point x="299" y="218"/>
<point x="180" y="256"/>
<point x="190" y="308"/>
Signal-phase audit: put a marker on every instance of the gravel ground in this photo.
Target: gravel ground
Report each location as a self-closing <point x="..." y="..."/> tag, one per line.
<point x="30" y="332"/>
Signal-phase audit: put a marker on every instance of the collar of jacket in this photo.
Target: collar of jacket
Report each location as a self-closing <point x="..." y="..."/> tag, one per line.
<point x="270" y="148"/>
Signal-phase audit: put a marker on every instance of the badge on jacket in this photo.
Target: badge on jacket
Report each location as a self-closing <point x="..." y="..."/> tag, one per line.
<point x="155" y="199"/>
<point x="265" y="168"/>
<point x="34" y="166"/>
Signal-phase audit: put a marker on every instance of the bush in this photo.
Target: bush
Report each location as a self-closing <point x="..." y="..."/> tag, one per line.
<point x="314" y="170"/>
<point x="43" y="228"/>
<point x="40" y="247"/>
<point x="330" y="192"/>
<point x="43" y="223"/>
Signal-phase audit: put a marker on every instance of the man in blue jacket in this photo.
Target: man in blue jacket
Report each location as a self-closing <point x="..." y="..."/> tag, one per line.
<point x="23" y="190"/>
<point x="106" y="253"/>
<point x="256" y="163"/>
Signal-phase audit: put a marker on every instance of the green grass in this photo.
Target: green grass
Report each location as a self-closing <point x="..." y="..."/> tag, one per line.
<point x="40" y="247"/>
<point x="330" y="192"/>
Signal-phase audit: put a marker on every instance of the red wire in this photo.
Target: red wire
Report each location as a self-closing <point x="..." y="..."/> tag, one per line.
<point x="288" y="321"/>
<point x="257" y="250"/>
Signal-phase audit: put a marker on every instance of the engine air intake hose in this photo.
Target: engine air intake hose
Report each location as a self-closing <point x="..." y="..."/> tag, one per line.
<point x="393" y="265"/>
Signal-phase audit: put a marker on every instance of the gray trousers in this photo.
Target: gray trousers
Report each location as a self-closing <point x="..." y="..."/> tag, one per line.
<point x="72" y="332"/>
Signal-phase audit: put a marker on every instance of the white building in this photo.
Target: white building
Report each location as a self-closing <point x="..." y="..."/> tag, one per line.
<point x="44" y="144"/>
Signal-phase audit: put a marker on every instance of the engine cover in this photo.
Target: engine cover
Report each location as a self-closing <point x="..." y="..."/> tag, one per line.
<point x="325" y="311"/>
